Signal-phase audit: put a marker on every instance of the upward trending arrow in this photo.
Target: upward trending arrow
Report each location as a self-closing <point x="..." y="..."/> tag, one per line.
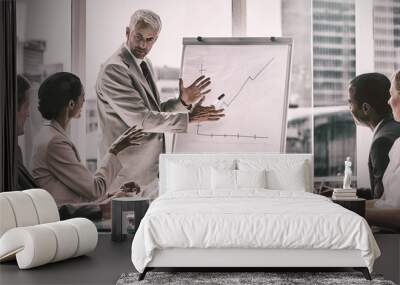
<point x="249" y="78"/>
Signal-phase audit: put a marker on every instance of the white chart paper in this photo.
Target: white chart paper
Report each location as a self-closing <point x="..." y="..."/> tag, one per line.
<point x="254" y="79"/>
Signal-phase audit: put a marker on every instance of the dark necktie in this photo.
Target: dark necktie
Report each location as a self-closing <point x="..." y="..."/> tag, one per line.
<point x="147" y="75"/>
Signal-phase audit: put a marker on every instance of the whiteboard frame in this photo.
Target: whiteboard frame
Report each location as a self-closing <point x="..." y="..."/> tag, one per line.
<point x="248" y="41"/>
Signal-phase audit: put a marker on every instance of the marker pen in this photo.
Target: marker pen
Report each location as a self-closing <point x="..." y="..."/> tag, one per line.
<point x="218" y="103"/>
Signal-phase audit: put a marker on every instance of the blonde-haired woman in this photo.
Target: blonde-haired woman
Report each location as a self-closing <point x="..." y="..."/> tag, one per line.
<point x="385" y="211"/>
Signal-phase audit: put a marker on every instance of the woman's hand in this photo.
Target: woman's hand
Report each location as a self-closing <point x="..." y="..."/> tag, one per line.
<point x="130" y="187"/>
<point x="131" y="136"/>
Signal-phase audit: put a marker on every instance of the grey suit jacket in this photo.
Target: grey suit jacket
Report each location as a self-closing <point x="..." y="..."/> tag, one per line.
<point x="57" y="168"/>
<point x="126" y="99"/>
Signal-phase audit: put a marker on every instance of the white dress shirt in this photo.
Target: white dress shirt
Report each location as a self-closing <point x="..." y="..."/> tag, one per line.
<point x="391" y="180"/>
<point x="137" y="60"/>
<point x="376" y="127"/>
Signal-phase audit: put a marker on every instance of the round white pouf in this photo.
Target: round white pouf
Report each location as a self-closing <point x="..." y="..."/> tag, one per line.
<point x="34" y="246"/>
<point x="45" y="205"/>
<point x="7" y="218"/>
<point x="23" y="208"/>
<point x="87" y="234"/>
<point x="67" y="240"/>
<point x="31" y="232"/>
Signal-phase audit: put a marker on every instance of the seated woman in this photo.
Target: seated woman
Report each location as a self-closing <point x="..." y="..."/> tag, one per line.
<point x="56" y="164"/>
<point x="385" y="212"/>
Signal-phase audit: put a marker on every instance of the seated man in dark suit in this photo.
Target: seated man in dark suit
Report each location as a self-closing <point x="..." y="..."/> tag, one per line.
<point x="24" y="178"/>
<point x="368" y="101"/>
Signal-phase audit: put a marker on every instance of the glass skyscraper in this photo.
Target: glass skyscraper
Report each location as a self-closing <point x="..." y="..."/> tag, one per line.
<point x="334" y="50"/>
<point x="387" y="36"/>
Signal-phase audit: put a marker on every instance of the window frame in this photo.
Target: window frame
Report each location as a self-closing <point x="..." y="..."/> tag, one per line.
<point x="364" y="63"/>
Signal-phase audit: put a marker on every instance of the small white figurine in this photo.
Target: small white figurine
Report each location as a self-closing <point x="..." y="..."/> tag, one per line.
<point x="347" y="173"/>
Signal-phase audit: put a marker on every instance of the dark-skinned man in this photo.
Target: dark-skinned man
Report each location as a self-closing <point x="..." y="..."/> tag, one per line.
<point x="368" y="97"/>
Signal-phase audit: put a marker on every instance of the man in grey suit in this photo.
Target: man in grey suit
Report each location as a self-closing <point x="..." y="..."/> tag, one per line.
<point x="127" y="95"/>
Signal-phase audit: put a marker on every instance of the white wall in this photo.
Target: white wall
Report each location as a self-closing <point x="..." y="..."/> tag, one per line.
<point x="264" y="18"/>
<point x="364" y="63"/>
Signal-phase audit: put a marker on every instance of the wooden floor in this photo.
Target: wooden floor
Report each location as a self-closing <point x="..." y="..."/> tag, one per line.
<point x="389" y="263"/>
<point x="110" y="259"/>
<point x="103" y="266"/>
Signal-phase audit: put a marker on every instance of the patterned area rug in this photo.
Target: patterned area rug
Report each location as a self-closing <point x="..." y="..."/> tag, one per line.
<point x="242" y="278"/>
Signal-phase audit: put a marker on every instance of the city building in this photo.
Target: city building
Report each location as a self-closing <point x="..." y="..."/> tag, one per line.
<point x="334" y="51"/>
<point x="387" y="36"/>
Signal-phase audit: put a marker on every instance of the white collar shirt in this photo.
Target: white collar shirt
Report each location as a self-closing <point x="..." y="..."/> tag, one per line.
<point x="377" y="126"/>
<point x="137" y="60"/>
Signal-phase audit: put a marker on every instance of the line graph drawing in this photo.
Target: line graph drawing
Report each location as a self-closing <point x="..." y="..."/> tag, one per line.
<point x="248" y="79"/>
<point x="229" y="103"/>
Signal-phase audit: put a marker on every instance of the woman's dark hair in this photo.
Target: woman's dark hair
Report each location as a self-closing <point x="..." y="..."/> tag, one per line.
<point x="396" y="78"/>
<point x="56" y="92"/>
<point x="373" y="88"/>
<point x="23" y="85"/>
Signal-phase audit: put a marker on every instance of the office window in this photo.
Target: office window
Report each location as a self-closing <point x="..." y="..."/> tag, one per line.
<point x="333" y="67"/>
<point x="323" y="59"/>
<point x="386" y="23"/>
<point x="323" y="63"/>
<point x="296" y="24"/>
<point x="43" y="48"/>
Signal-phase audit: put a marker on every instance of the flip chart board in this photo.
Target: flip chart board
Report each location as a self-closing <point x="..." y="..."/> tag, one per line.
<point x="253" y="73"/>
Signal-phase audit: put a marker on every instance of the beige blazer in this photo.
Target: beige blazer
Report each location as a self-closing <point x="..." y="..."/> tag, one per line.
<point x="57" y="168"/>
<point x="125" y="99"/>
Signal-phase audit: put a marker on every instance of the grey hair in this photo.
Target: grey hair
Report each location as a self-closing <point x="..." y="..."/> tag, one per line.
<point x="146" y="16"/>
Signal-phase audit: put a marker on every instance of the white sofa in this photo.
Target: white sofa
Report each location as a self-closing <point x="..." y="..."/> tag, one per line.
<point x="31" y="231"/>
